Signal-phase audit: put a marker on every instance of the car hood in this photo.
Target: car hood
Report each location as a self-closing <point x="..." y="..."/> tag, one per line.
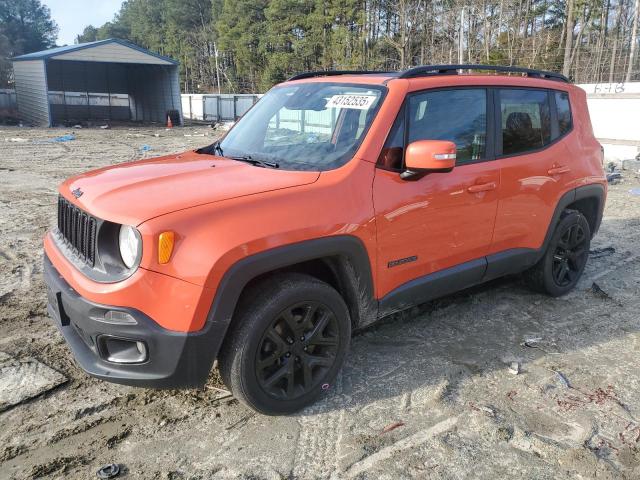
<point x="131" y="193"/>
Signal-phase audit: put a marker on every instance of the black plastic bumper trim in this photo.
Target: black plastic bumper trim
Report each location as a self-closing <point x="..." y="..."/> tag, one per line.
<point x="175" y="359"/>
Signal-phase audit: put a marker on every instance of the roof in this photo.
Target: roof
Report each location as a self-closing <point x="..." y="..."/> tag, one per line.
<point x="53" y="52"/>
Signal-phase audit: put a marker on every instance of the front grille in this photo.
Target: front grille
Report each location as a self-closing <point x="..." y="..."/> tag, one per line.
<point x="78" y="230"/>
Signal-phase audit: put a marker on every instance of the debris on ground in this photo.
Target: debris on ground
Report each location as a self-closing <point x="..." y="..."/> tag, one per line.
<point x="108" y="471"/>
<point x="21" y="380"/>
<point x="16" y="139"/>
<point x="391" y="427"/>
<point x="635" y="191"/>
<point x="483" y="408"/>
<point x="64" y="138"/>
<point x="614" y="178"/>
<point x="61" y="139"/>
<point x="601" y="252"/>
<point x="224" y="126"/>
<point x="145" y="148"/>
<point x="104" y="127"/>
<point x="600" y="293"/>
<point x="563" y="378"/>
<point x="531" y="342"/>
<point x="243" y="421"/>
<point x="514" y="368"/>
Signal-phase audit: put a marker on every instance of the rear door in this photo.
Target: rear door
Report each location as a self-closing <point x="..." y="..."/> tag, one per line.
<point x="440" y="220"/>
<point x="535" y="164"/>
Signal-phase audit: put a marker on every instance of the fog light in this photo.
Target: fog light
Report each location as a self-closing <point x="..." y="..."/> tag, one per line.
<point x="119" y="350"/>
<point x="116" y="318"/>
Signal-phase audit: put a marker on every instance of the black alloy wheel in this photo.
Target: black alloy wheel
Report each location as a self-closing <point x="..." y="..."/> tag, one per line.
<point x="560" y="267"/>
<point x="297" y="350"/>
<point x="570" y="255"/>
<point x="287" y="342"/>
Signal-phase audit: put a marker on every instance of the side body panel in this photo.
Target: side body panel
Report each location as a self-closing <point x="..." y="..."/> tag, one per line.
<point x="533" y="184"/>
<point x="434" y="221"/>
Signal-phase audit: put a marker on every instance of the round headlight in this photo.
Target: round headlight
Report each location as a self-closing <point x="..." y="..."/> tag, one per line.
<point x="130" y="245"/>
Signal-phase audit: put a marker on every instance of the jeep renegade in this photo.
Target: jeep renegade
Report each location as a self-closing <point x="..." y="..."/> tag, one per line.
<point x="339" y="198"/>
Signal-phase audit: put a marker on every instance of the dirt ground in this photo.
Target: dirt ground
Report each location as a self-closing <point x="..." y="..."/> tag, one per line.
<point x="426" y="394"/>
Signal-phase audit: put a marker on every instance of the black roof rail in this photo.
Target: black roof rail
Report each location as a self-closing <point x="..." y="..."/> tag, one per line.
<point x="427" y="70"/>
<point x="330" y="73"/>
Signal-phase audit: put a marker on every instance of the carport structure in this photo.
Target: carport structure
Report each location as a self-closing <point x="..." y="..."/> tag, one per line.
<point x="97" y="81"/>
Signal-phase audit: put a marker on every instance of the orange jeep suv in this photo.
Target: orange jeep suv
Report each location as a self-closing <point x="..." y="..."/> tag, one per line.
<point x="339" y="198"/>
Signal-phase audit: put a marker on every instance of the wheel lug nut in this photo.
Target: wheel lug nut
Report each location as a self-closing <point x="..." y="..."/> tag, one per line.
<point x="305" y="349"/>
<point x="288" y="354"/>
<point x="302" y="338"/>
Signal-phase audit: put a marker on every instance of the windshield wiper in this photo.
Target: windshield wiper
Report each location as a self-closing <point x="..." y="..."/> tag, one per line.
<point x="216" y="149"/>
<point x="255" y="161"/>
<point x="213" y="149"/>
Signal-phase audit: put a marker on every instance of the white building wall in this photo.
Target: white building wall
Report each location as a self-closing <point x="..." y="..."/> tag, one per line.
<point x="31" y="91"/>
<point x="615" y="115"/>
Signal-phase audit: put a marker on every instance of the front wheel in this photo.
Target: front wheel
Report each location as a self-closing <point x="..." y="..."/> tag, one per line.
<point x="559" y="270"/>
<point x="287" y="343"/>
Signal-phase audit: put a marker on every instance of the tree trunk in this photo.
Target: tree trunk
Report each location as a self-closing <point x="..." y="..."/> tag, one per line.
<point x="568" y="44"/>
<point x="634" y="41"/>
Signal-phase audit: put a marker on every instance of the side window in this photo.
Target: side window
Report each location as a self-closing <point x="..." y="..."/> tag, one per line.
<point x="459" y="116"/>
<point x="526" y="120"/>
<point x="392" y="153"/>
<point x="564" y="112"/>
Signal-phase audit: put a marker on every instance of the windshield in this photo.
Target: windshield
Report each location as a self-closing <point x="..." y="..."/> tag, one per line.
<point x="312" y="126"/>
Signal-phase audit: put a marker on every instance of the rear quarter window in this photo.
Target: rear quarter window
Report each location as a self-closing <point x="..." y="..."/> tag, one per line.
<point x="563" y="109"/>
<point x="525" y="120"/>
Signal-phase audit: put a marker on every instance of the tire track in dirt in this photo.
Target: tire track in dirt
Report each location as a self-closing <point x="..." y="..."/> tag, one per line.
<point x="318" y="447"/>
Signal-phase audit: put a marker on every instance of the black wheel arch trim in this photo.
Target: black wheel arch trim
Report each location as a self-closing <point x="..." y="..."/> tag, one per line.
<point x="594" y="190"/>
<point x="355" y="278"/>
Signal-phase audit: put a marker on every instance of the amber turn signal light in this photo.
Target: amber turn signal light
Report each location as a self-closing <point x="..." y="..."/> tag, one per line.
<point x="165" y="246"/>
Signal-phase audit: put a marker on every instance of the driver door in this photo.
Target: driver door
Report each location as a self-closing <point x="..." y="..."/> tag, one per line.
<point x="440" y="225"/>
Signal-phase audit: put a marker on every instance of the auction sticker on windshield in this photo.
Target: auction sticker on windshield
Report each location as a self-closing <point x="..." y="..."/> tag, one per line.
<point x="359" y="102"/>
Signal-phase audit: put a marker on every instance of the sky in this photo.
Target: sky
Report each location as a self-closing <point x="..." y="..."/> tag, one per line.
<point x="73" y="15"/>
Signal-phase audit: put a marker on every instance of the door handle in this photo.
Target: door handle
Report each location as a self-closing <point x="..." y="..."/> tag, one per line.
<point x="558" y="170"/>
<point x="482" y="187"/>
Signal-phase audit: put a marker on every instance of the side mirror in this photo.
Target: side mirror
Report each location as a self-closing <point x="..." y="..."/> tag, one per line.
<point x="429" y="156"/>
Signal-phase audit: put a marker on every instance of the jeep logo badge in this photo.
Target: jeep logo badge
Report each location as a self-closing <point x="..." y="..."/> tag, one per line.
<point x="77" y="192"/>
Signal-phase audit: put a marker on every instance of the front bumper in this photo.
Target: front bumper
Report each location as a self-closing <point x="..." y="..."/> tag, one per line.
<point x="172" y="359"/>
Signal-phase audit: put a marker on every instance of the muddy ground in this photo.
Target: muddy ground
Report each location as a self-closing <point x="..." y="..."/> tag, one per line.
<point x="427" y="394"/>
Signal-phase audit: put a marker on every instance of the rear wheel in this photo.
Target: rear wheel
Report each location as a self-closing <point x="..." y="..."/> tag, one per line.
<point x="287" y="343"/>
<point x="561" y="267"/>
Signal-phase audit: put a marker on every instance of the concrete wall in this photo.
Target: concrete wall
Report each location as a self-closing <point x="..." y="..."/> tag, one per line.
<point x="615" y="115"/>
<point x="31" y="91"/>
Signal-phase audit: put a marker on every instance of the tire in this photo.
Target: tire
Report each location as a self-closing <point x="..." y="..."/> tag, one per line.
<point x="263" y="365"/>
<point x="563" y="262"/>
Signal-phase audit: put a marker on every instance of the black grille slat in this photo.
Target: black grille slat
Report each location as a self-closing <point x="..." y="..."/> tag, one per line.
<point x="78" y="229"/>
